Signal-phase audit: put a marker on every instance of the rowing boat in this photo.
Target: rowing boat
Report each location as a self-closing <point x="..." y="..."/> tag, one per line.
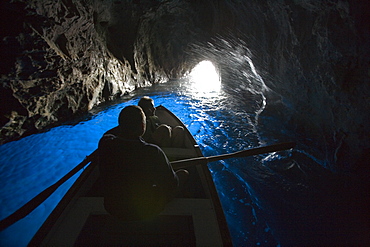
<point x="193" y="218"/>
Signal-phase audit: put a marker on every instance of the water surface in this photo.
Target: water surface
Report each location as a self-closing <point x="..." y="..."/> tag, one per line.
<point x="269" y="200"/>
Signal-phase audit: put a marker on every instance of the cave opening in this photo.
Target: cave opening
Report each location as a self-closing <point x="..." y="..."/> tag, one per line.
<point x="308" y="81"/>
<point x="205" y="78"/>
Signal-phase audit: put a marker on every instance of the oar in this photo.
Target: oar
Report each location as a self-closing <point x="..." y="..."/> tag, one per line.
<point x="249" y="152"/>
<point x="40" y="198"/>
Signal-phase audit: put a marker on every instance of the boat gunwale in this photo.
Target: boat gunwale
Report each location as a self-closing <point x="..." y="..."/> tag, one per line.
<point x="72" y="194"/>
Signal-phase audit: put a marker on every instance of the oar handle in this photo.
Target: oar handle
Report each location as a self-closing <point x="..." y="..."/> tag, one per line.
<point x="244" y="153"/>
<point x="42" y="196"/>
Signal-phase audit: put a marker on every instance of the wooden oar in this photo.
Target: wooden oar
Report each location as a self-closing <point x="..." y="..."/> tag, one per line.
<point x="249" y="152"/>
<point x="40" y="198"/>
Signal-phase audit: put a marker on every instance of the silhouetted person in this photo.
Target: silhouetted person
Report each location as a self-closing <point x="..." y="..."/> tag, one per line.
<point x="137" y="176"/>
<point x="157" y="132"/>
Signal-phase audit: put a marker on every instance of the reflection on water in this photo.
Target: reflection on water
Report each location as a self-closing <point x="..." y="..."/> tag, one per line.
<point x="35" y="162"/>
<point x="283" y="198"/>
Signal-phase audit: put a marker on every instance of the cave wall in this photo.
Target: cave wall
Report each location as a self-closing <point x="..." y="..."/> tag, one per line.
<point x="315" y="56"/>
<point x="55" y="65"/>
<point x="63" y="57"/>
<point x="318" y="57"/>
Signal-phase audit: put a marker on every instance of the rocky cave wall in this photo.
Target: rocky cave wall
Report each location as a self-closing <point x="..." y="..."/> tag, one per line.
<point x="60" y="58"/>
<point x="315" y="55"/>
<point x="54" y="65"/>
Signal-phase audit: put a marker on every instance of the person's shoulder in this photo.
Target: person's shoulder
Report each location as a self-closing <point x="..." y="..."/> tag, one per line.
<point x="108" y="139"/>
<point x="110" y="135"/>
<point x="113" y="131"/>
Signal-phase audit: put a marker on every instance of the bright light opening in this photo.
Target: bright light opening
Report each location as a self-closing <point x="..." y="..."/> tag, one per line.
<point x="204" y="78"/>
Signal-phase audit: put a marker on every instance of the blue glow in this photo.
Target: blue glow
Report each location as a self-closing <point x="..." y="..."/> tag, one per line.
<point x="268" y="200"/>
<point x="35" y="162"/>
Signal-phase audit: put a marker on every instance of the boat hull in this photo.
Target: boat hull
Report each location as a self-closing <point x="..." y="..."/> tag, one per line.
<point x="194" y="218"/>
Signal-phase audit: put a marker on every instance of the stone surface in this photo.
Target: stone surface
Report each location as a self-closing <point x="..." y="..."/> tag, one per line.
<point x="63" y="57"/>
<point x="56" y="66"/>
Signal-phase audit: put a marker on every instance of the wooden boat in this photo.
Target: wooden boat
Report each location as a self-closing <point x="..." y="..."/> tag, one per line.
<point x="194" y="218"/>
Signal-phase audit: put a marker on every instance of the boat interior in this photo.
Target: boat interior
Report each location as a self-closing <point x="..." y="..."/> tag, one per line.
<point x="188" y="220"/>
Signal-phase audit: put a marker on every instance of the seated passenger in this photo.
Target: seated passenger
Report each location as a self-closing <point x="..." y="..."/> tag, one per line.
<point x="137" y="178"/>
<point x="158" y="133"/>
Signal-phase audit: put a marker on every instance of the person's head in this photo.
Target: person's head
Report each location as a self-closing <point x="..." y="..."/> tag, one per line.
<point x="147" y="104"/>
<point x="132" y="121"/>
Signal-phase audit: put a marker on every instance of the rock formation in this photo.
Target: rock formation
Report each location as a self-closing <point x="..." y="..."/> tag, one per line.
<point x="60" y="58"/>
<point x="55" y="67"/>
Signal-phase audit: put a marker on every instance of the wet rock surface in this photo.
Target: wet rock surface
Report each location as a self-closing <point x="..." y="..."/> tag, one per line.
<point x="55" y="66"/>
<point x="61" y="58"/>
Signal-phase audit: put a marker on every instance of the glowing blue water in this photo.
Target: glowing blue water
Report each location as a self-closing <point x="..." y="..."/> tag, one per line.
<point x="267" y="199"/>
<point x="35" y="162"/>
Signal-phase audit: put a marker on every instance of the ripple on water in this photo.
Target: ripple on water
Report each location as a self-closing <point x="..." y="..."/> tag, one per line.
<point x="219" y="125"/>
